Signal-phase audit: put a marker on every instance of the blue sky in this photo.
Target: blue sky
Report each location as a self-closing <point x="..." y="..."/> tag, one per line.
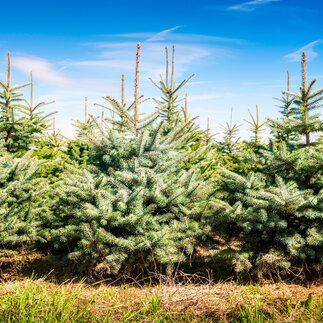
<point x="239" y="51"/>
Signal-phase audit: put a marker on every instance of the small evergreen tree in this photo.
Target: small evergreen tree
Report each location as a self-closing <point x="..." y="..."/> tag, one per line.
<point x="230" y="145"/>
<point x="287" y="110"/>
<point x="21" y="122"/>
<point x="230" y="148"/>
<point x="256" y="128"/>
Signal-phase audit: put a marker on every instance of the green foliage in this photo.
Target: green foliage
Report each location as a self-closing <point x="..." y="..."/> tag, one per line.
<point x="138" y="192"/>
<point x="78" y="151"/>
<point x="51" y="148"/>
<point x="256" y="128"/>
<point x="135" y="204"/>
<point x="230" y="145"/>
<point x="23" y="201"/>
<point x="230" y="149"/>
<point x="299" y="121"/>
<point x="287" y="110"/>
<point x="168" y="106"/>
<point x="275" y="213"/>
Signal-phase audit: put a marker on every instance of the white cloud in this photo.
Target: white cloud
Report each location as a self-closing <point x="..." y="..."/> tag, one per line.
<point x="250" y="5"/>
<point x="49" y="74"/>
<point x="149" y="36"/>
<point x="308" y="49"/>
<point x="171" y="37"/>
<point x="121" y="57"/>
<point x="162" y="35"/>
<point x="42" y="70"/>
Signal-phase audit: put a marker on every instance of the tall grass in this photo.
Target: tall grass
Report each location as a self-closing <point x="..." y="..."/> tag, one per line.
<point x="36" y="302"/>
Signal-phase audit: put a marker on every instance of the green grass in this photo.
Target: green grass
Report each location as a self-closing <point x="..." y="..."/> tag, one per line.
<point x="41" y="301"/>
<point x="34" y="302"/>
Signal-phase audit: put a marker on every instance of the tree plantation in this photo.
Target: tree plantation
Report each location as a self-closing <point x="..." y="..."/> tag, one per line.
<point x="136" y="193"/>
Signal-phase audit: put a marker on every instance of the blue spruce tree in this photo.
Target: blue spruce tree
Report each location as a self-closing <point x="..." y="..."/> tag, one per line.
<point x="273" y="217"/>
<point x="135" y="205"/>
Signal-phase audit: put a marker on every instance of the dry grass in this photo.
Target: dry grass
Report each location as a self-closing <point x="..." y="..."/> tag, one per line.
<point x="42" y="300"/>
<point x="201" y="300"/>
<point x="177" y="303"/>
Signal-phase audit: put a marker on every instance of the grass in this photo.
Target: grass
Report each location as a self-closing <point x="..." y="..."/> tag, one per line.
<point x="38" y="300"/>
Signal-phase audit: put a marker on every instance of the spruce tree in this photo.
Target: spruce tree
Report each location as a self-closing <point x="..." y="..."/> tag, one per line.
<point x="174" y="115"/>
<point x="273" y="217"/>
<point x="134" y="205"/>
<point x="256" y="128"/>
<point x="229" y="148"/>
<point x="23" y="193"/>
<point x="21" y="122"/>
<point x="168" y="106"/>
<point x="287" y="110"/>
<point x="229" y="145"/>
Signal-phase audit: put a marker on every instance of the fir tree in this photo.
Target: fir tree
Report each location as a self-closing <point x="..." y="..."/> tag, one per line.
<point x="135" y="204"/>
<point x="300" y="160"/>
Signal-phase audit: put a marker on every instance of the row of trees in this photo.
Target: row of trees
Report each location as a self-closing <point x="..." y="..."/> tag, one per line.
<point x="137" y="191"/>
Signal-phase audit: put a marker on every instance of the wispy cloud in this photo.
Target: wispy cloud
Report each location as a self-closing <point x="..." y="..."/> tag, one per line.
<point x="309" y="49"/>
<point x="66" y="88"/>
<point x="175" y="37"/>
<point x="112" y="63"/>
<point x="69" y="80"/>
<point x="116" y="52"/>
<point x="42" y="69"/>
<point x="162" y="35"/>
<point x="51" y="75"/>
<point x="120" y="57"/>
<point x="250" y="5"/>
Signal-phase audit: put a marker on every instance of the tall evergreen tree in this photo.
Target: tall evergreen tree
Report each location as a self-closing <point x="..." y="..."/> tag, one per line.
<point x="135" y="205"/>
